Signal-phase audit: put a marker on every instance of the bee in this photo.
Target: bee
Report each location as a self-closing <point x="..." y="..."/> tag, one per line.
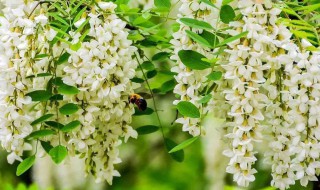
<point x="139" y="101"/>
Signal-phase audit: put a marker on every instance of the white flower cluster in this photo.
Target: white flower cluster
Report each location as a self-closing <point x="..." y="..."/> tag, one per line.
<point x="191" y="82"/>
<point x="100" y="67"/>
<point x="17" y="61"/>
<point x="296" y="148"/>
<point x="273" y="79"/>
<point x="245" y="70"/>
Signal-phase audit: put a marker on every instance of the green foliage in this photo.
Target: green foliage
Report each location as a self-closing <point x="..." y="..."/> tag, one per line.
<point x="42" y="119"/>
<point x="70" y="126"/>
<point x="41" y="133"/>
<point x="68" y="90"/>
<point x="68" y="109"/>
<point x="188" y="109"/>
<point x="183" y="145"/>
<point x="208" y="2"/>
<point x="176" y="155"/>
<point x="193" y="59"/>
<point x="46" y="146"/>
<point x="147" y="129"/>
<point x="211" y="38"/>
<point x="54" y="124"/>
<point x="148" y="65"/>
<point x="205" y="99"/>
<point x="63" y="58"/>
<point x="194" y="23"/>
<point x="233" y="38"/>
<point x="148" y="111"/>
<point x="227" y="14"/>
<point x="215" y="75"/>
<point x="300" y="17"/>
<point x="39" y="95"/>
<point x="160" y="56"/>
<point x="162" y="3"/>
<point x="197" y="38"/>
<point x="151" y="74"/>
<point x="25" y="165"/>
<point x="58" y="153"/>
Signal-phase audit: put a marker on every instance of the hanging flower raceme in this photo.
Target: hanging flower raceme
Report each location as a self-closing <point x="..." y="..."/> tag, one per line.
<point x="18" y="47"/>
<point x="267" y="62"/>
<point x="191" y="83"/>
<point x="245" y="71"/>
<point x="66" y="85"/>
<point x="102" y="69"/>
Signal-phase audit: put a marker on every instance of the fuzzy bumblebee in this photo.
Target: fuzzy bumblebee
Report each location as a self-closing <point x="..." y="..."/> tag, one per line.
<point x="139" y="101"/>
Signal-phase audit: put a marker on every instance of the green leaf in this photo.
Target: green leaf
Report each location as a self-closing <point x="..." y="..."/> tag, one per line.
<point x="69" y="109"/>
<point x="40" y="56"/>
<point x="41" y="119"/>
<point x="205" y="99"/>
<point x="194" y="23"/>
<point x="162" y="3"/>
<point x="183" y="145"/>
<point x="135" y="36"/>
<point x="68" y="90"/>
<point x="178" y="155"/>
<point x="57" y="81"/>
<point x="160" y="56"/>
<point x="25" y="165"/>
<point x="39" y="95"/>
<point x="46" y="146"/>
<point x="137" y="80"/>
<point x="70" y="126"/>
<point x="147" y="129"/>
<point x="302" y="34"/>
<point x="58" y="153"/>
<point x="188" y="109"/>
<point x="40" y="133"/>
<point x="60" y="8"/>
<point x="197" y="38"/>
<point x="147" y="65"/>
<point x="215" y="75"/>
<point x="79" y="14"/>
<point x="148" y="111"/>
<point x="227" y="14"/>
<point x="56" y="97"/>
<point x="233" y="38"/>
<point x="57" y="17"/>
<point x="211" y="38"/>
<point x="208" y="2"/>
<point x="140" y="20"/>
<point x="225" y="2"/>
<point x="309" y="8"/>
<point x="63" y="58"/>
<point x="151" y="74"/>
<point x="54" y="124"/>
<point x="168" y="86"/>
<point x="192" y="59"/>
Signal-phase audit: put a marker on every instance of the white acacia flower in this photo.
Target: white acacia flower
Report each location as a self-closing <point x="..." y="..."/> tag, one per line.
<point x="190" y="82"/>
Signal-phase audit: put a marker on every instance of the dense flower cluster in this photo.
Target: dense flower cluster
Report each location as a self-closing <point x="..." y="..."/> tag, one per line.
<point x="273" y="79"/>
<point x="191" y="82"/>
<point x="104" y="83"/>
<point x="100" y="68"/>
<point x="17" y="53"/>
<point x="245" y="69"/>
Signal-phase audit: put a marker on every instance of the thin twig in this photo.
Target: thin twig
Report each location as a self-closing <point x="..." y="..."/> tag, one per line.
<point x="154" y="101"/>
